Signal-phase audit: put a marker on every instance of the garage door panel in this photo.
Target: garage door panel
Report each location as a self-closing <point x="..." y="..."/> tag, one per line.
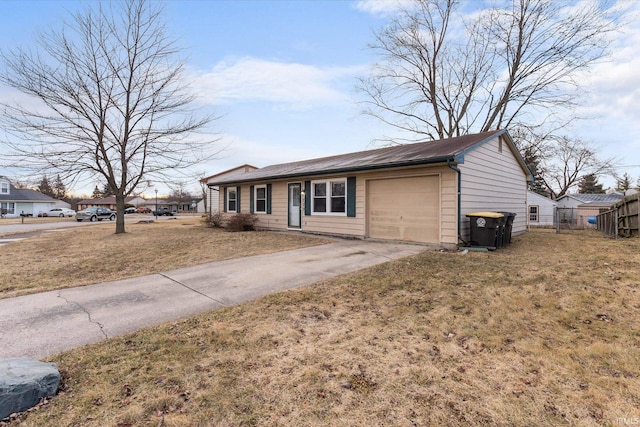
<point x="404" y="209"/>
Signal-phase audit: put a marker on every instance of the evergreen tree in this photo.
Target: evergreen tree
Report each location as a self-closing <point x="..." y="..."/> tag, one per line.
<point x="107" y="191"/>
<point x="624" y="183"/>
<point x="531" y="156"/>
<point x="45" y="188"/>
<point x="97" y="194"/>
<point x="589" y="185"/>
<point x="59" y="189"/>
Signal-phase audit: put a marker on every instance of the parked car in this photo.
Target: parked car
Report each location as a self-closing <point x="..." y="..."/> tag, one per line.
<point x="130" y="210"/>
<point x="163" y="210"/>
<point x="95" y="214"/>
<point x="59" y="212"/>
<point x="143" y="210"/>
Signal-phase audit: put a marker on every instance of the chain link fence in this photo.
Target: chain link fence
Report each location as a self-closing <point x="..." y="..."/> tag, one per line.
<point x="570" y="219"/>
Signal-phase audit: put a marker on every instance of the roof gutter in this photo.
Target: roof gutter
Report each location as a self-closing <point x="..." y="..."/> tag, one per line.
<point x="459" y="172"/>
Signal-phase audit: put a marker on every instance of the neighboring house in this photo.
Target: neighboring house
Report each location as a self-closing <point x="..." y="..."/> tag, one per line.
<point x="213" y="191"/>
<point x="188" y="204"/>
<point x="541" y="210"/>
<point x="414" y="192"/>
<point x="576" y="209"/>
<point x="172" y="205"/>
<point x="110" y="202"/>
<point x="16" y="201"/>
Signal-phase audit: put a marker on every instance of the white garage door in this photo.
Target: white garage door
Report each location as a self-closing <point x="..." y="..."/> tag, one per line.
<point x="404" y="209"/>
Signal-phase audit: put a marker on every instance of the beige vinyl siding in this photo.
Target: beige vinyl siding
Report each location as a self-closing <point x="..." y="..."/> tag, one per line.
<point x="493" y="181"/>
<point x="277" y="219"/>
<point x="213" y="201"/>
<point x="340" y="225"/>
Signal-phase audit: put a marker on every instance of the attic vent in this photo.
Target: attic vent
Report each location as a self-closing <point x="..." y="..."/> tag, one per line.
<point x="499" y="145"/>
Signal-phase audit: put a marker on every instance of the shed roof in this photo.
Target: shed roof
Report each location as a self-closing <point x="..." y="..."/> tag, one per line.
<point x="450" y="149"/>
<point x="595" y="199"/>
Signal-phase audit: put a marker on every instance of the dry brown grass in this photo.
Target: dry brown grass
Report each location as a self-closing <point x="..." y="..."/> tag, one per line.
<point x="543" y="333"/>
<point x="93" y="254"/>
<point x="34" y="220"/>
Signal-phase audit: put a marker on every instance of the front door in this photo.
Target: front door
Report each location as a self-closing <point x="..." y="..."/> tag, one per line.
<point x="295" y="191"/>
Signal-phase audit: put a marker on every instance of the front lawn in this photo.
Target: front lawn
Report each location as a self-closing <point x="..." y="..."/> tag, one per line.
<point x="542" y="333"/>
<point x="94" y="254"/>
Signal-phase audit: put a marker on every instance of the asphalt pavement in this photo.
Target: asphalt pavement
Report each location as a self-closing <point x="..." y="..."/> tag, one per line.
<point x="44" y="324"/>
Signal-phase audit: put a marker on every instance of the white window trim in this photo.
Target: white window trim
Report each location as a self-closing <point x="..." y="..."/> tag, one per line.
<point x="255" y="199"/>
<point x="234" y="190"/>
<point x="9" y="206"/>
<point x="4" y="187"/>
<point x="328" y="196"/>
<point x="537" y="213"/>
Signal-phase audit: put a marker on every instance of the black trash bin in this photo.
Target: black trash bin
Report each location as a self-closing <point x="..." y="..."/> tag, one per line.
<point x="486" y="229"/>
<point x="500" y="231"/>
<point x="508" y="227"/>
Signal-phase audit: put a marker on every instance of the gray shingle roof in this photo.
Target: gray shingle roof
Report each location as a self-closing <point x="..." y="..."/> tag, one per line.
<point x="598" y="199"/>
<point x="400" y="155"/>
<point x="24" y="195"/>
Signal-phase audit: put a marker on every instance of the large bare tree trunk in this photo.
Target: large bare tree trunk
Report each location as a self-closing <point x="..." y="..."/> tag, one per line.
<point x="113" y="103"/>
<point x="120" y="198"/>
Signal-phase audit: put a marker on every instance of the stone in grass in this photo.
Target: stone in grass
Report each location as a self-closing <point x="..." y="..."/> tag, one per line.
<point x="23" y="382"/>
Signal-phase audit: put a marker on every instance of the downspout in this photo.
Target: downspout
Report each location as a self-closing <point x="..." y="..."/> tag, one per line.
<point x="459" y="172"/>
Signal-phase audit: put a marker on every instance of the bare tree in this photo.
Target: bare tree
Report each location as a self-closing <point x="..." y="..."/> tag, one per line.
<point x="442" y="73"/>
<point x="561" y="162"/>
<point x="113" y="101"/>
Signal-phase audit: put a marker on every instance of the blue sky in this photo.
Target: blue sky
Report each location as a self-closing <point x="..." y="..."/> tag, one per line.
<point x="281" y="74"/>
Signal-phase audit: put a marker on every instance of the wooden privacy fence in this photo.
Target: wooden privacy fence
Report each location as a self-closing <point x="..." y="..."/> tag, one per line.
<point x="622" y="219"/>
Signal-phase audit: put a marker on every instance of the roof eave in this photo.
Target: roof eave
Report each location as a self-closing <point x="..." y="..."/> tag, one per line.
<point x="334" y="171"/>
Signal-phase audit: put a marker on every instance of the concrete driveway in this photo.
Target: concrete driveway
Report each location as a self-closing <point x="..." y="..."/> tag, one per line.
<point x="44" y="324"/>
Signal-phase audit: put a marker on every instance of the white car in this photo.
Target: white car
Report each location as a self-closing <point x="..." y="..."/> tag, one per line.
<point x="59" y="212"/>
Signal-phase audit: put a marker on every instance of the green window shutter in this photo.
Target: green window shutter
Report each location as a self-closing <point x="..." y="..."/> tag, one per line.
<point x="351" y="196"/>
<point x="307" y="197"/>
<point x="224" y="191"/>
<point x="238" y="199"/>
<point x="268" y="198"/>
<point x="251" y="197"/>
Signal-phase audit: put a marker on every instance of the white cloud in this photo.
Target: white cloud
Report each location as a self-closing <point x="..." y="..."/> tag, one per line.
<point x="240" y="150"/>
<point x="297" y="86"/>
<point x="381" y="7"/>
<point x="614" y="85"/>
